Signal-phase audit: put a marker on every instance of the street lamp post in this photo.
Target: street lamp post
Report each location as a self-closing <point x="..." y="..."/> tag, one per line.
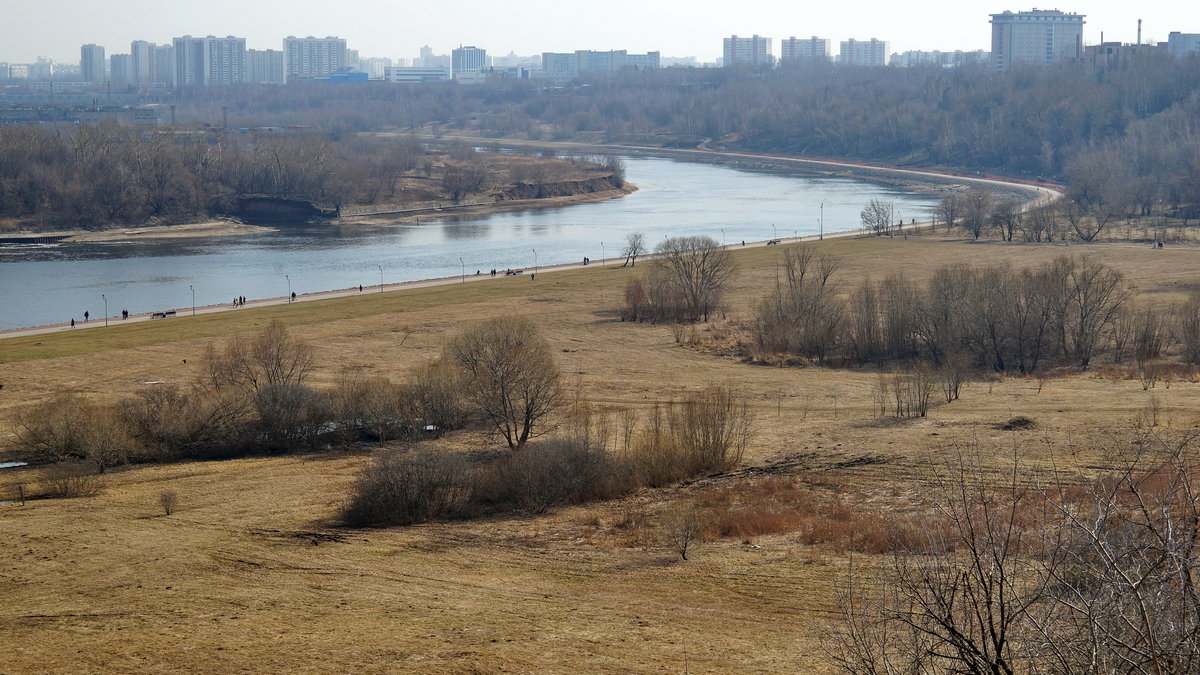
<point x="821" y="236"/>
<point x="722" y="237"/>
<point x="464" y="270"/>
<point x="193" y="299"/>
<point x="774" y="231"/>
<point x="380" y="278"/>
<point x="601" y="254"/>
<point x="289" y="280"/>
<point x="535" y="265"/>
<point x="105" y="298"/>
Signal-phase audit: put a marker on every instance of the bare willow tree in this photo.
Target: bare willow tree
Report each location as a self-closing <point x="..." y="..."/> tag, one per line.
<point x="635" y="245"/>
<point x="695" y="271"/>
<point x="949" y="210"/>
<point x="878" y="216"/>
<point x="270" y="357"/>
<point x="509" y="375"/>
<point x="977" y="208"/>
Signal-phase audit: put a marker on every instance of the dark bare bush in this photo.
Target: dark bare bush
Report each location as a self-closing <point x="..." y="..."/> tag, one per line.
<point x="554" y="472"/>
<point x="53" y="431"/>
<point x="436" y="395"/>
<point x="1187" y="328"/>
<point x="371" y="409"/>
<point x="410" y="486"/>
<point x="71" y="479"/>
<point x="168" y="500"/>
<point x="290" y="417"/>
<point x="172" y="423"/>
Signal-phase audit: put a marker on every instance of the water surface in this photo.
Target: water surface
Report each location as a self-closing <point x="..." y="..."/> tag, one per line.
<point x="53" y="283"/>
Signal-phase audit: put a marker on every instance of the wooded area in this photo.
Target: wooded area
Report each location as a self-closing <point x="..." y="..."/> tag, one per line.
<point x="1131" y="130"/>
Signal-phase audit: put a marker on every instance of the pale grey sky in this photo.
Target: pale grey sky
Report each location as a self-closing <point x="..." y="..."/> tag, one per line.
<point x="29" y="29"/>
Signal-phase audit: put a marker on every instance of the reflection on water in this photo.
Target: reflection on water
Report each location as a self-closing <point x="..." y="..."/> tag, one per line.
<point x="50" y="283"/>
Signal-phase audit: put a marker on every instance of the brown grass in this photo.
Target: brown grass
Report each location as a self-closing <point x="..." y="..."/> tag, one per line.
<point x="249" y="573"/>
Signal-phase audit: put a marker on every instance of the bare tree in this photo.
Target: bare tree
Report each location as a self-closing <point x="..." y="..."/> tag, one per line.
<point x="635" y="245"/>
<point x="977" y="207"/>
<point x="949" y="210"/>
<point x="878" y="216"/>
<point x="270" y="357"/>
<point x="696" y="269"/>
<point x="510" y="376"/>
<point x="681" y="529"/>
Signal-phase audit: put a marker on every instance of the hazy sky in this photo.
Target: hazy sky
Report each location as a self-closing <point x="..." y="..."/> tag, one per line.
<point x="29" y="29"/>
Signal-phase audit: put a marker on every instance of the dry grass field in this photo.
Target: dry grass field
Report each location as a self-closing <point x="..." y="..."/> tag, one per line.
<point x="251" y="573"/>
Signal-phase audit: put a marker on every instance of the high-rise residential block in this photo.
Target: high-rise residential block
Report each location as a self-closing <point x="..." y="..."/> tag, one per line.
<point x="265" y="66"/>
<point x="208" y="61"/>
<point x="747" y="51"/>
<point x="141" y="62"/>
<point x="162" y="70"/>
<point x="566" y="65"/>
<point x="871" y="52"/>
<point x="1039" y="36"/>
<point x="120" y="70"/>
<point x="807" y="50"/>
<point x="313" y="57"/>
<point x="92" y="63"/>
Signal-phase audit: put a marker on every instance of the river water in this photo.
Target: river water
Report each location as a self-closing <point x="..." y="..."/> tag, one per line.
<point x="54" y="283"/>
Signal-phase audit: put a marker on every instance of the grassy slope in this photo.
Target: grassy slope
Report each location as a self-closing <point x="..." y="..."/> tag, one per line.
<point x="235" y="579"/>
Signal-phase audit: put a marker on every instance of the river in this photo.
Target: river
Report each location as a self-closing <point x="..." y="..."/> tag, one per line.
<point x="44" y="284"/>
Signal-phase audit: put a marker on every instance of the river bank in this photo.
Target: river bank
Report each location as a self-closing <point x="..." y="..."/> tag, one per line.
<point x="415" y="215"/>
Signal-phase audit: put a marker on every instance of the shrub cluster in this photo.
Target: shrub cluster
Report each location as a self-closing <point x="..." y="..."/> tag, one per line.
<point x="252" y="398"/>
<point x="702" y="433"/>
<point x="1070" y="311"/>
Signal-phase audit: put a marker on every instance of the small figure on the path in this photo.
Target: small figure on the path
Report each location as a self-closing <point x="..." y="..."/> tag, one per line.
<point x="72" y="322"/>
<point x="293" y="296"/>
<point x="360" y="288"/>
<point x="85" y="316"/>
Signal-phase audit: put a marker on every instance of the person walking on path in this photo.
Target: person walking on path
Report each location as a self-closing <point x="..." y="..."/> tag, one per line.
<point x="72" y="323"/>
<point x="293" y="296"/>
<point x="85" y="316"/>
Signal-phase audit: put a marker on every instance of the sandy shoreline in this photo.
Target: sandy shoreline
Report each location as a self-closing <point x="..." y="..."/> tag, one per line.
<point x="210" y="228"/>
<point x="477" y="210"/>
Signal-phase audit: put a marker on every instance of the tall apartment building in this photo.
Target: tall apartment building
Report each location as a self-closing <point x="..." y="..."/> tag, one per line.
<point x="871" y="52"/>
<point x="1039" y="36"/>
<point x="313" y="57"/>
<point x="566" y="65"/>
<point x="1180" y="45"/>
<point x="162" y="70"/>
<point x="468" y="60"/>
<point x="747" y="51"/>
<point x="209" y="61"/>
<point x="265" y="66"/>
<point x="796" y="51"/>
<point x="141" y="62"/>
<point x="43" y="68"/>
<point x="92" y="63"/>
<point x="120" y="70"/>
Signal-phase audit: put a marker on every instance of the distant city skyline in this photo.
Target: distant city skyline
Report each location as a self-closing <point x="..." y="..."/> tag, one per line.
<point x="382" y="28"/>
